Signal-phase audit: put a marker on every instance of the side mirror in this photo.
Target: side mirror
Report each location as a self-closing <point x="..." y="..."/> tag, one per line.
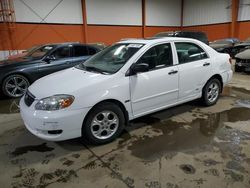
<point x="50" y="58"/>
<point x="141" y="67"/>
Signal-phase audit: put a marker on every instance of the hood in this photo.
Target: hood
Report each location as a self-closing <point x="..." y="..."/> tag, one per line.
<point x="67" y="81"/>
<point x="243" y="44"/>
<point x="217" y="46"/>
<point x="243" y="55"/>
<point x="16" y="61"/>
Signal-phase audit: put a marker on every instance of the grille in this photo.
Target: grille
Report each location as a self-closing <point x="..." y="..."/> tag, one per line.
<point x="29" y="98"/>
<point x="242" y="60"/>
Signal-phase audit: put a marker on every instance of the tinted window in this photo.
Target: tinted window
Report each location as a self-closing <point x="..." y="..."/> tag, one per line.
<point x="62" y="52"/>
<point x="158" y="56"/>
<point x="92" y="51"/>
<point x="38" y="52"/>
<point x="80" y="51"/>
<point x="188" y="52"/>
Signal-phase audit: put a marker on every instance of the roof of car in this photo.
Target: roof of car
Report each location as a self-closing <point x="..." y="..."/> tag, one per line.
<point x="63" y="43"/>
<point x="155" y="39"/>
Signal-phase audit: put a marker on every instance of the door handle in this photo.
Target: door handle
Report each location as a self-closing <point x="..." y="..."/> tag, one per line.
<point x="206" y="64"/>
<point x="172" y="72"/>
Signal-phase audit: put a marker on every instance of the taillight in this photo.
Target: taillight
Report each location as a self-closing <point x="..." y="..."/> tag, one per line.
<point x="230" y="60"/>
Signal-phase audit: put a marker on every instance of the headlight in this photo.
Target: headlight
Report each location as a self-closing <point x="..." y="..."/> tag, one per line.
<point x="55" y="102"/>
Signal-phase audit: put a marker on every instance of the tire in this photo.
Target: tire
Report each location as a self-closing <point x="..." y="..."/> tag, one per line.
<point x="103" y="124"/>
<point x="15" y="85"/>
<point x="211" y="92"/>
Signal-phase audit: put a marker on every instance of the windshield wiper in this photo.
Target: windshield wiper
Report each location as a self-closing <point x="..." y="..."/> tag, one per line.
<point x="94" y="69"/>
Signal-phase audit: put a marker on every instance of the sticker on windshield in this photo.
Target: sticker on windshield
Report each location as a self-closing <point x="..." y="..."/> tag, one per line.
<point x="48" y="47"/>
<point x="134" y="45"/>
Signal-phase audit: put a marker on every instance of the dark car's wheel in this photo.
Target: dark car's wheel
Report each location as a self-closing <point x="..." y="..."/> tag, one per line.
<point x="103" y="124"/>
<point x="15" y="85"/>
<point x="211" y="92"/>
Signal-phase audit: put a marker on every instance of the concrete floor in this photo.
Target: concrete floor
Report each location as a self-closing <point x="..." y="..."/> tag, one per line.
<point x="185" y="146"/>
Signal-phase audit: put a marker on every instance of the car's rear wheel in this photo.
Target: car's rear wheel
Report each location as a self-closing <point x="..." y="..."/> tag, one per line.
<point x="15" y="85"/>
<point x="211" y="92"/>
<point x="103" y="124"/>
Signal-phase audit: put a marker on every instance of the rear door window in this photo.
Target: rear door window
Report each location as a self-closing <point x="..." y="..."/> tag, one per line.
<point x="80" y="51"/>
<point x="189" y="52"/>
<point x="92" y="51"/>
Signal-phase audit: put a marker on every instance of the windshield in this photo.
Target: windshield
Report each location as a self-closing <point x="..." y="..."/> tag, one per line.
<point x="40" y="52"/>
<point x="223" y="41"/>
<point x="111" y="59"/>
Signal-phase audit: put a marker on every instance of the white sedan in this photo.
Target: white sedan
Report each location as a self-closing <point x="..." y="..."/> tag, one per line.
<point x="127" y="80"/>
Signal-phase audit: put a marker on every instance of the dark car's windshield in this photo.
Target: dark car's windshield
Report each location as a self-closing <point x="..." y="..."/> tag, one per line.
<point x="111" y="59"/>
<point x="223" y="41"/>
<point x="40" y="52"/>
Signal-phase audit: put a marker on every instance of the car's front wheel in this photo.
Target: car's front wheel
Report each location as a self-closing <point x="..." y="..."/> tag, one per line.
<point x="15" y="85"/>
<point x="103" y="124"/>
<point x="211" y="92"/>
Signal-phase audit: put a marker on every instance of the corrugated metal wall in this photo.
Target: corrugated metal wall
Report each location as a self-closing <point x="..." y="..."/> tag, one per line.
<point x="34" y="11"/>
<point x="202" y="12"/>
<point x="114" y="12"/>
<point x="163" y="12"/>
<point x="111" y="20"/>
<point x="244" y="10"/>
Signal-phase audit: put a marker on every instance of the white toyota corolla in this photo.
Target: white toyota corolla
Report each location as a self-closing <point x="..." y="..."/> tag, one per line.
<point x="129" y="79"/>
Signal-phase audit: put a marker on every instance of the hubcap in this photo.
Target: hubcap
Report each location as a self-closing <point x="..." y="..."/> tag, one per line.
<point x="16" y="86"/>
<point x="213" y="92"/>
<point x="104" y="125"/>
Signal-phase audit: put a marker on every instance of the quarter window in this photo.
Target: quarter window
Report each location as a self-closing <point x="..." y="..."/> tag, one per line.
<point x="188" y="52"/>
<point x="158" y="56"/>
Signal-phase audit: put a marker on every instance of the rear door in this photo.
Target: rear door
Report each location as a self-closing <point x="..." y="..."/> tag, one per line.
<point x="194" y="69"/>
<point x="157" y="88"/>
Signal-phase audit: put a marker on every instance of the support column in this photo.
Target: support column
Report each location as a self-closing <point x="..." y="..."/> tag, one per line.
<point x="234" y="13"/>
<point x="182" y="9"/>
<point x="84" y="19"/>
<point x="143" y="18"/>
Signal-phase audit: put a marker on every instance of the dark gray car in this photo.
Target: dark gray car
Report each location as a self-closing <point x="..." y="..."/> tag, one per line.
<point x="242" y="63"/>
<point x="17" y="74"/>
<point x="198" y="35"/>
<point x="225" y="45"/>
<point x="242" y="46"/>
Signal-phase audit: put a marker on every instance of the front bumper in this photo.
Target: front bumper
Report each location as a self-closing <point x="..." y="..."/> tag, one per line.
<point x="53" y="125"/>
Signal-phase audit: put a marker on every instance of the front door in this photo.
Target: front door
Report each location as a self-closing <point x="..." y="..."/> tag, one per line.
<point x="157" y="88"/>
<point x="58" y="60"/>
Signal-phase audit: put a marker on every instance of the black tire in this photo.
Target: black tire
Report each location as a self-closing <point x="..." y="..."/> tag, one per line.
<point x="22" y="87"/>
<point x="205" y="98"/>
<point x="87" y="132"/>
